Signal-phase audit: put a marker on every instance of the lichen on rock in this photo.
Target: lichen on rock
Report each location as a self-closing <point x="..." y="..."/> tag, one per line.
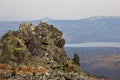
<point x="32" y="40"/>
<point x="41" y="46"/>
<point x="76" y="59"/>
<point x="14" y="51"/>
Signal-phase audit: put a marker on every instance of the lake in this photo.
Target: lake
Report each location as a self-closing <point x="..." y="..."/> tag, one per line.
<point x="95" y="44"/>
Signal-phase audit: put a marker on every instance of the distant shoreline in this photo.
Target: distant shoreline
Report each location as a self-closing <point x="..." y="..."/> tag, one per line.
<point x="95" y="44"/>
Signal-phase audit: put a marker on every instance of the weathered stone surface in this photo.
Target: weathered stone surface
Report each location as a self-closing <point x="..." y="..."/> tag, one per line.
<point x="37" y="53"/>
<point x="14" y="50"/>
<point x="1" y="47"/>
<point x="35" y="41"/>
<point x="76" y="59"/>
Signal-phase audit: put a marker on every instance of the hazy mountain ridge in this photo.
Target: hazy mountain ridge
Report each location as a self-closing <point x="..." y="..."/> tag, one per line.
<point x="92" y="29"/>
<point x="97" y="30"/>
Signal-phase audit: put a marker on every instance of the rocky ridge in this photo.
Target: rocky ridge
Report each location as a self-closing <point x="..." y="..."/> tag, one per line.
<point x="37" y="53"/>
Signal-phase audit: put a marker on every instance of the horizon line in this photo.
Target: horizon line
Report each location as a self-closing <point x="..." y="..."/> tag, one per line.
<point x="58" y="19"/>
<point x="94" y="44"/>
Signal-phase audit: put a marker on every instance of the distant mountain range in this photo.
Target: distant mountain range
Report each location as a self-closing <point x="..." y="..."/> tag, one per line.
<point x="92" y="29"/>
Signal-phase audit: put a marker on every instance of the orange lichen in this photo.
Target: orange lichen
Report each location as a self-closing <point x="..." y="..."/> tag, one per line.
<point x="22" y="70"/>
<point x="29" y="70"/>
<point x="5" y="68"/>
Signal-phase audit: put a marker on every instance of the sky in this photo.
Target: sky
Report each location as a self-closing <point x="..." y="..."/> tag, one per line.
<point x="16" y="10"/>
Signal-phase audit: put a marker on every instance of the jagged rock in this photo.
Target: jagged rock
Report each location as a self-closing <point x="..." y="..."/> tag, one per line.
<point x="14" y="50"/>
<point x="1" y="47"/>
<point x="34" y="40"/>
<point x="76" y="59"/>
<point x="26" y="27"/>
<point x="41" y="48"/>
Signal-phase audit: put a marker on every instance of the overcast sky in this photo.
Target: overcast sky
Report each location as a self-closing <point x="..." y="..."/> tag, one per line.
<point x="57" y="9"/>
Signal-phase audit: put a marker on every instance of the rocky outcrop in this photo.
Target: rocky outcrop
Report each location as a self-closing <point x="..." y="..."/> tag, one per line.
<point x="43" y="40"/>
<point x="37" y="53"/>
<point x="76" y="59"/>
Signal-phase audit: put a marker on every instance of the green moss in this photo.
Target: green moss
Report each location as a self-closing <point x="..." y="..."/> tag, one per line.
<point x="10" y="49"/>
<point x="14" y="50"/>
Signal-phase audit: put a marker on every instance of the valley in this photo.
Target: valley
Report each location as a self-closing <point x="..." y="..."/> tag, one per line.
<point x="100" y="62"/>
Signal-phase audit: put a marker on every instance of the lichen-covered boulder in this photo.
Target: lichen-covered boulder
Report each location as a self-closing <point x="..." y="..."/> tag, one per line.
<point x="14" y="51"/>
<point x="26" y="26"/>
<point x="32" y="40"/>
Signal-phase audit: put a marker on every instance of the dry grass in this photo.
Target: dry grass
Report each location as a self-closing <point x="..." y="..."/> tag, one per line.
<point x="110" y="61"/>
